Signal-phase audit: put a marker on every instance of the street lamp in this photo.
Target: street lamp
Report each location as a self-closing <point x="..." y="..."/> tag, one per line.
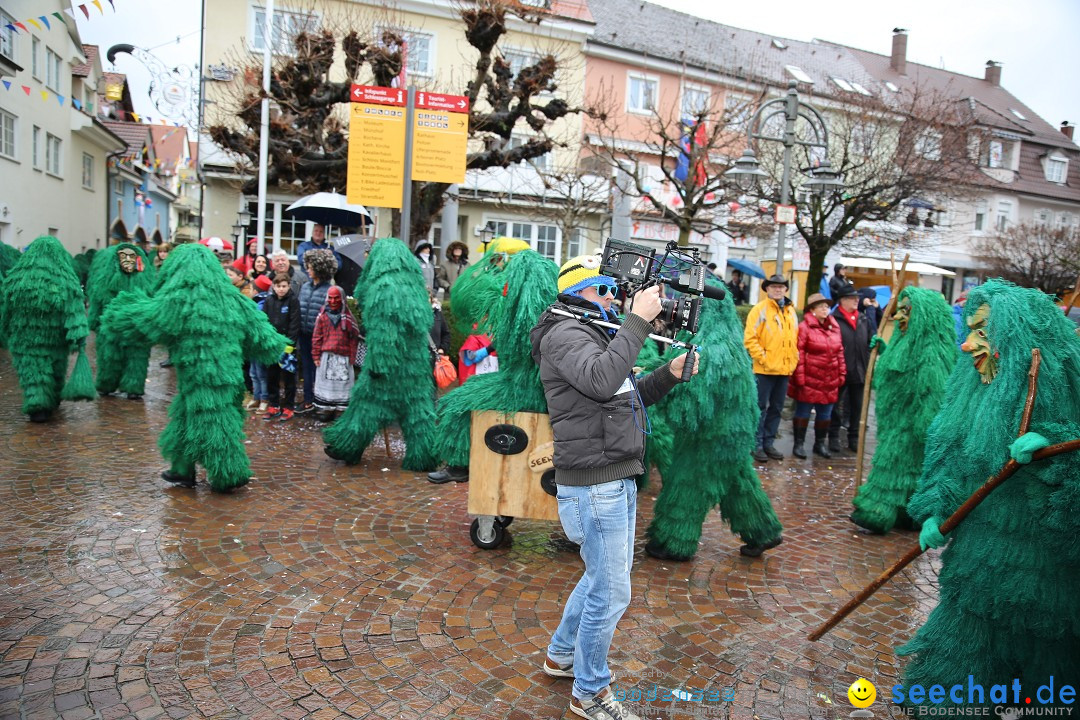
<point x="747" y="170"/>
<point x="243" y="219"/>
<point x="487" y="233"/>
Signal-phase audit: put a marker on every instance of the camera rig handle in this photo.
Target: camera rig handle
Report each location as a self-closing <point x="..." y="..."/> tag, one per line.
<point x="587" y="318"/>
<point x="688" y="366"/>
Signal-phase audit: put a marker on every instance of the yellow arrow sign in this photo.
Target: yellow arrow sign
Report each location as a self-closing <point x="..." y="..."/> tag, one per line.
<point x="440" y="140"/>
<point x="376" y="155"/>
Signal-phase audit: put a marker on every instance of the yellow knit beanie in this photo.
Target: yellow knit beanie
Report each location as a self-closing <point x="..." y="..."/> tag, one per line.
<point x="580" y="272"/>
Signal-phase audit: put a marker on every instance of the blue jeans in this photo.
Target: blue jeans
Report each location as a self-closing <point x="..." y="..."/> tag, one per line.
<point x="771" y="391"/>
<point x="308" y="368"/>
<point x="259" y="389"/>
<point x="600" y="518"/>
<point x="822" y="412"/>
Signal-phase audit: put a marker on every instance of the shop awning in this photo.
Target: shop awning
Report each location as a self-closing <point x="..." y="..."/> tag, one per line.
<point x="876" y="264"/>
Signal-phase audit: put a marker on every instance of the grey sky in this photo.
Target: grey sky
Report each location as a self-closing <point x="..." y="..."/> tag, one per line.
<point x="1035" y="40"/>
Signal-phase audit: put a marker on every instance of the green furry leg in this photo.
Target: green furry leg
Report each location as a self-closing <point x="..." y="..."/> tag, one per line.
<point x="352" y="433"/>
<point x="747" y="509"/>
<point x="134" y="378"/>
<point x="206" y="431"/>
<point x="109" y="364"/>
<point x="680" y="512"/>
<point x="419" y="430"/>
<point x="885" y="493"/>
<point x="41" y="376"/>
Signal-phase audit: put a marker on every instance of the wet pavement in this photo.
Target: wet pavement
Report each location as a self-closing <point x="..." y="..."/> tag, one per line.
<point x="324" y="591"/>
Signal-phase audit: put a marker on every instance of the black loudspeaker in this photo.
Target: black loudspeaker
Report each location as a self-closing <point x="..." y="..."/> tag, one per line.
<point x="506" y="439"/>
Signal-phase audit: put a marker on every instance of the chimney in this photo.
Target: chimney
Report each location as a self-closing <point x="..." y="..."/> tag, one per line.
<point x="898" y="62"/>
<point x="1067" y="129"/>
<point x="993" y="73"/>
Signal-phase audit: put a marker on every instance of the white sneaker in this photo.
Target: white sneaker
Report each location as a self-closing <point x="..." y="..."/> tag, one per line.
<point x="603" y="706"/>
<point x="251" y="404"/>
<point x="262" y="407"/>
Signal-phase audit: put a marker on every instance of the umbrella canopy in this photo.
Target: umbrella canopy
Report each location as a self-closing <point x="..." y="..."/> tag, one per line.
<point x="747" y="267"/>
<point x="355" y="247"/>
<point x="328" y="209"/>
<point x="217" y="244"/>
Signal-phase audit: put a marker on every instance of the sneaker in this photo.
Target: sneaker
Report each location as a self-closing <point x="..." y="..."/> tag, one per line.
<point x="601" y="707"/>
<point x="251" y="404"/>
<point x="262" y="406"/>
<point x="553" y="669"/>
<point x="286" y="414"/>
<point x="271" y="413"/>
<point x="455" y="473"/>
<point x="304" y="408"/>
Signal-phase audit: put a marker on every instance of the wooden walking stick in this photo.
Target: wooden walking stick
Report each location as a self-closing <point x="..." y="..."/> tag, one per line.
<point x="386" y="441"/>
<point x="969" y="505"/>
<point x="898" y="285"/>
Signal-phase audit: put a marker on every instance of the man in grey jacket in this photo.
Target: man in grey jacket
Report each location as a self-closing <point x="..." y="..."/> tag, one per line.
<point x="598" y="421"/>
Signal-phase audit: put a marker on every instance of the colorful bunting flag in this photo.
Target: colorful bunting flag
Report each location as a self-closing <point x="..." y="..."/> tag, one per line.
<point x="112" y="5"/>
<point x="20" y="25"/>
<point x="44" y="94"/>
<point x="34" y="22"/>
<point x="59" y="17"/>
<point x="85" y="11"/>
<point x="60" y="99"/>
<point x="71" y="12"/>
<point x="135" y="116"/>
<point x="7" y="84"/>
<point x="76" y="104"/>
<point x="13" y="28"/>
<point x="45" y="20"/>
<point x="26" y="90"/>
<point x="97" y="4"/>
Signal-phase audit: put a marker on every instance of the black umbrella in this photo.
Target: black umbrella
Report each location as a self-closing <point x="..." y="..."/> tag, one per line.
<point x="329" y="209"/>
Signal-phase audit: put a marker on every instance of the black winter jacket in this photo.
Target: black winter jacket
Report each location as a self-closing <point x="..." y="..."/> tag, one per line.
<point x="312" y="297"/>
<point x="284" y="314"/>
<point x="856" y="345"/>
<point x="597" y="416"/>
<point x="440" y="332"/>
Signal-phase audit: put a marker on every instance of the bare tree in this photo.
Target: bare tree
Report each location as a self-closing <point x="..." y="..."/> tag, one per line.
<point x="690" y="151"/>
<point x="309" y="130"/>
<point x="1037" y="256"/>
<point x="913" y="147"/>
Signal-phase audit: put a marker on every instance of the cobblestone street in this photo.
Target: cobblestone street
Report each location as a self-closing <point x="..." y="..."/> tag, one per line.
<point x="325" y="591"/>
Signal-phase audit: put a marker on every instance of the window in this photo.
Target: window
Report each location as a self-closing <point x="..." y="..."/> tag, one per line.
<point x="35" y="147"/>
<point x="928" y="144"/>
<point x="1019" y="115"/>
<point x="843" y="84"/>
<point x="88" y="171"/>
<point x="996" y="154"/>
<point x="860" y="89"/>
<point x="518" y="59"/>
<point x="575" y="244"/>
<point x="8" y="127"/>
<point x="541" y="163"/>
<point x="1064" y="220"/>
<point x="52" y="70"/>
<point x="1043" y="217"/>
<point x="35" y="57"/>
<point x="641" y="93"/>
<point x="547" y="241"/>
<point x="982" y="209"/>
<point x="799" y="74"/>
<point x="522" y="231"/>
<point x="1056" y="169"/>
<point x="7" y="35"/>
<point x="89" y="95"/>
<point x="737" y="111"/>
<point x="289" y="232"/>
<point x="419" y="59"/>
<point x="287" y="25"/>
<point x="52" y="154"/>
<point x="695" y="101"/>
<point x="892" y="87"/>
<point x="1004" y="215"/>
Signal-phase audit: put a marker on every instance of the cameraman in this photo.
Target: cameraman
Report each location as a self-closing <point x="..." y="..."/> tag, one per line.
<point x="599" y="424"/>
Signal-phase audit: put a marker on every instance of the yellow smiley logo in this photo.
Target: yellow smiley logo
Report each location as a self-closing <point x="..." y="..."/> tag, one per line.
<point x="862" y="693"/>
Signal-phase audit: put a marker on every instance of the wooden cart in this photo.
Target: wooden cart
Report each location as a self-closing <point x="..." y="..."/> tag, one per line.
<point x="510" y="473"/>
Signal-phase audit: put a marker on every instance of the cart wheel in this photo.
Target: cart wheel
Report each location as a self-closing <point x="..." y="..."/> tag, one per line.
<point x="487" y="539"/>
<point x="504" y="520"/>
<point x="547" y="482"/>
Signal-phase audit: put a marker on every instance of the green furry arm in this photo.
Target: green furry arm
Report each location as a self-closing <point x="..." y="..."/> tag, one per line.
<point x="262" y="343"/>
<point x="75" y="327"/>
<point x="132" y="319"/>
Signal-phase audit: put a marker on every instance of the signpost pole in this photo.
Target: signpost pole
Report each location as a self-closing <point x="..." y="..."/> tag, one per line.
<point x="406" y="193"/>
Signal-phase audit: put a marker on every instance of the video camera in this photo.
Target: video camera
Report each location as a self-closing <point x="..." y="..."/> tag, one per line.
<point x="635" y="267"/>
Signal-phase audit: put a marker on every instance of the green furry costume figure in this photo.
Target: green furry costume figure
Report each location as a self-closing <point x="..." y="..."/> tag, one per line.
<point x="909" y="381"/>
<point x="8" y="257"/>
<point x="707" y="460"/>
<point x="479" y="289"/>
<point x="395" y="384"/>
<point x="1011" y="574"/>
<point x="530" y="280"/>
<point x="209" y="329"/>
<point x="112" y="271"/>
<point x="43" y="319"/>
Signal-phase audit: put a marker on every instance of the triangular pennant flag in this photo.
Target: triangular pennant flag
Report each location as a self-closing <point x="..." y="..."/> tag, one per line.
<point x="135" y="116"/>
<point x="85" y="11"/>
<point x="7" y="84"/>
<point x="164" y="121"/>
<point x="60" y="99"/>
<point x="26" y="90"/>
<point x="45" y="20"/>
<point x="34" y="22"/>
<point x="71" y="12"/>
<point x="13" y="29"/>
<point x="20" y="25"/>
<point x="59" y="17"/>
<point x="97" y="4"/>
<point x="44" y="94"/>
<point x="112" y="5"/>
<point x="76" y="104"/>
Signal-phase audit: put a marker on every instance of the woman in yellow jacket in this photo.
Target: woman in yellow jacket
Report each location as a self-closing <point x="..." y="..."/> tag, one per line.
<point x="770" y="337"/>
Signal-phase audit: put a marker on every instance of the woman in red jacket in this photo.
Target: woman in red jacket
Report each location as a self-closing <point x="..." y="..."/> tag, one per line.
<point x="818" y="376"/>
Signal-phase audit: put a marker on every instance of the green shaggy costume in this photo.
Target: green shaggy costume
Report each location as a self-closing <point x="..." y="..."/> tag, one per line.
<point x="530" y="280"/>
<point x="1010" y="575"/>
<point x="909" y="381"/>
<point x="209" y="329"/>
<point x="8" y="257"/>
<point x="43" y="319"/>
<point x="119" y="365"/>
<point x="708" y="463"/>
<point x="395" y="383"/>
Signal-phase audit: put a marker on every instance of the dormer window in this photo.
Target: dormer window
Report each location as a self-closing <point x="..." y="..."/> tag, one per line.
<point x="1056" y="168"/>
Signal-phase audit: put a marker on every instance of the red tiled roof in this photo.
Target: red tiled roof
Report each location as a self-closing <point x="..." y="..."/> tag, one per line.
<point x="134" y="134"/>
<point x="193" y="151"/>
<point x="169" y="143"/>
<point x="83" y="69"/>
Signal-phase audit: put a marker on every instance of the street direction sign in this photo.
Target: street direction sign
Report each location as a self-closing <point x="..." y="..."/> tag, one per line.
<point x="376" y="162"/>
<point x="440" y="137"/>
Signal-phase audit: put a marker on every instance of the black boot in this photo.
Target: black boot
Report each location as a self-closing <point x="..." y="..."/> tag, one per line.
<point x="175" y="478"/>
<point x="450" y="473"/>
<point x="821" y="434"/>
<point x="800" y="426"/>
<point x="40" y="416"/>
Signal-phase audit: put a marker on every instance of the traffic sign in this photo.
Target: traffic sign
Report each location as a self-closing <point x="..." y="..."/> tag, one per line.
<point x="441" y="136"/>
<point x="440" y="101"/>
<point x="376" y="170"/>
<point x="377" y="95"/>
<point x="785" y="213"/>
